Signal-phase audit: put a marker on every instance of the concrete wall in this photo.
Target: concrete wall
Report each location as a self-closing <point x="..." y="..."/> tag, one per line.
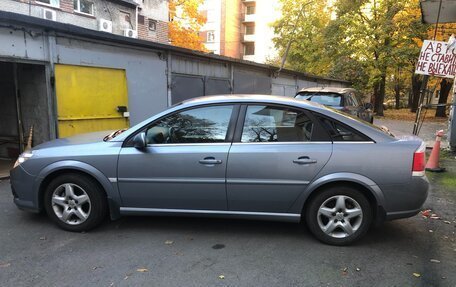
<point x="34" y="101"/>
<point x="151" y="71"/>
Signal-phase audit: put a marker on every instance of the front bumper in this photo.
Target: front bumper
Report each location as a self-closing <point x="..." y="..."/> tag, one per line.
<point x="22" y="187"/>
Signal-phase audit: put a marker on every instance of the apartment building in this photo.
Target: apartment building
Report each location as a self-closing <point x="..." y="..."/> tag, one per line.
<point x="240" y="29"/>
<point x="143" y="19"/>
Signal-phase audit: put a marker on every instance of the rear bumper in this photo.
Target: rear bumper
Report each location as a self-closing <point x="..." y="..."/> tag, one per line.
<point x="411" y="199"/>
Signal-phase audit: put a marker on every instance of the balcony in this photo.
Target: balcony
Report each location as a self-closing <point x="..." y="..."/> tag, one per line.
<point x="248" y="17"/>
<point x="249" y="58"/>
<point x="248" y="37"/>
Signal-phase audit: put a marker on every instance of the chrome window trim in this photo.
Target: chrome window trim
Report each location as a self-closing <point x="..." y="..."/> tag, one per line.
<point x="189" y="144"/>
<point x="280" y="143"/>
<point x="353" y="142"/>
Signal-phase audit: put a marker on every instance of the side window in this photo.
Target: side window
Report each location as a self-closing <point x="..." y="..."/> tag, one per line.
<point x="200" y="125"/>
<point x="354" y="99"/>
<point x="348" y="100"/>
<point x="340" y="132"/>
<point x="274" y="124"/>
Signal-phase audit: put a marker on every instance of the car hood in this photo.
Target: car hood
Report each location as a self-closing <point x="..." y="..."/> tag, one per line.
<point x="75" y="140"/>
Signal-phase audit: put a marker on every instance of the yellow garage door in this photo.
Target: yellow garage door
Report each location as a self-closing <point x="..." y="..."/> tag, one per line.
<point x="88" y="99"/>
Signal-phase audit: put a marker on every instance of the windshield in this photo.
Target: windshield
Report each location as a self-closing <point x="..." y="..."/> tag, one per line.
<point x="327" y="99"/>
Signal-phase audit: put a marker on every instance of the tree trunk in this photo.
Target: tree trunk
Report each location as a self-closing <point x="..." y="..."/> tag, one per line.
<point x="445" y="87"/>
<point x="416" y="86"/>
<point x="376" y="95"/>
<point x="397" y="95"/>
<point x="381" y="95"/>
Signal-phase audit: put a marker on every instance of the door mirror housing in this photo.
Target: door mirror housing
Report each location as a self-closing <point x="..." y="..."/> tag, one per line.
<point x="139" y="141"/>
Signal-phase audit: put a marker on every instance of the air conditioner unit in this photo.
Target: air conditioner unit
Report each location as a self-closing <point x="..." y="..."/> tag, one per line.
<point x="130" y="33"/>
<point x="105" y="25"/>
<point x="49" y="14"/>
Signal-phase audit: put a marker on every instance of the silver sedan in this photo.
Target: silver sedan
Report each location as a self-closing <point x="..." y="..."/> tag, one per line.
<point x="237" y="156"/>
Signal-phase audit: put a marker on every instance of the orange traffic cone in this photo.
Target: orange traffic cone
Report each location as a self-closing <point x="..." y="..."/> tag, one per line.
<point x="433" y="162"/>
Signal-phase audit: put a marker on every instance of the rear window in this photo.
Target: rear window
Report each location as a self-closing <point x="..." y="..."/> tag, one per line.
<point x="327" y="99"/>
<point x="340" y="132"/>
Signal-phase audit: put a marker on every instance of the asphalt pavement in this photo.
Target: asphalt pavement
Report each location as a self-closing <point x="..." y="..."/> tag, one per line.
<point x="160" y="251"/>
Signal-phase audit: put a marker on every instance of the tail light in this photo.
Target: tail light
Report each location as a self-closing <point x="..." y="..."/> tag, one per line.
<point x="419" y="161"/>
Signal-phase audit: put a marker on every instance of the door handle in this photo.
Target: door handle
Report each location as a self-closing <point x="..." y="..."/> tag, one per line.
<point x="304" y="160"/>
<point x="210" y="160"/>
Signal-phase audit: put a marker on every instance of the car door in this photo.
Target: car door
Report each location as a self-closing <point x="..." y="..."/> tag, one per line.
<point x="184" y="163"/>
<point x="277" y="152"/>
<point x="350" y="105"/>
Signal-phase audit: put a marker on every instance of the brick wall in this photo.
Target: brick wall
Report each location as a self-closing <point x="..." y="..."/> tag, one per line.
<point x="102" y="9"/>
<point x="159" y="35"/>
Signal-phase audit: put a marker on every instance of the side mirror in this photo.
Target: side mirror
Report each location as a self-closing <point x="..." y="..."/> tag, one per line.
<point x="368" y="106"/>
<point x="139" y="141"/>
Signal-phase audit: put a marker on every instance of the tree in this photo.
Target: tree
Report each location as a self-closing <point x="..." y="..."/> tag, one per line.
<point x="185" y="24"/>
<point x="445" y="88"/>
<point x="364" y="41"/>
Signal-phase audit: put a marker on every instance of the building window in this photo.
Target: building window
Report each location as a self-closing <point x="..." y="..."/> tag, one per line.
<point x="249" y="49"/>
<point x="152" y="25"/>
<point x="249" y="29"/>
<point x="83" y="6"/>
<point x="210" y="36"/>
<point x="250" y="10"/>
<point x="53" y="3"/>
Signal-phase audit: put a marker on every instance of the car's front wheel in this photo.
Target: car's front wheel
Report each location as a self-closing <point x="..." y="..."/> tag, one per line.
<point x="339" y="215"/>
<point x="75" y="202"/>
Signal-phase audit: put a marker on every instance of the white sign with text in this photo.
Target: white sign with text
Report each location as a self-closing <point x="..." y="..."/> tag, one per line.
<point x="436" y="60"/>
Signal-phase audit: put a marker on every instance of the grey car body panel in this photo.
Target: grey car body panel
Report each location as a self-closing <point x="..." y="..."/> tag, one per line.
<point x="180" y="185"/>
<point x="322" y="179"/>
<point x="275" y="188"/>
<point x="170" y="176"/>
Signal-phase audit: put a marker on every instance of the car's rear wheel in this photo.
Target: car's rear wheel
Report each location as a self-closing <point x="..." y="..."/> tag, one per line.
<point x="75" y="202"/>
<point x="339" y="215"/>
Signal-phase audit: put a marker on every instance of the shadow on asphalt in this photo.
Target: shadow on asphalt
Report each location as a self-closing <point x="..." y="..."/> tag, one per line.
<point x="384" y="234"/>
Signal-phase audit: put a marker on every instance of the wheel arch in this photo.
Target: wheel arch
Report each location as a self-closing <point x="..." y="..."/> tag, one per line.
<point x="369" y="188"/>
<point x="58" y="168"/>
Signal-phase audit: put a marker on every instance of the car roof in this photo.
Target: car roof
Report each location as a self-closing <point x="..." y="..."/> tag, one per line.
<point x="248" y="98"/>
<point x="328" y="90"/>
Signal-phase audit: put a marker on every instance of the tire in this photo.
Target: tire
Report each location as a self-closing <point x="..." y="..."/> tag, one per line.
<point x="82" y="198"/>
<point x="345" y="213"/>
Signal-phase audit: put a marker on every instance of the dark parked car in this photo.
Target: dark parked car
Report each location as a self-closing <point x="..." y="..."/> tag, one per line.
<point x="343" y="99"/>
<point x="252" y="157"/>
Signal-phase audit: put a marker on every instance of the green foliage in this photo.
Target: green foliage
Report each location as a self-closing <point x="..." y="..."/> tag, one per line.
<point x="363" y="41"/>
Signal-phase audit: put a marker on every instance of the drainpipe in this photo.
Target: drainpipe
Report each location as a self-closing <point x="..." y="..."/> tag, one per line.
<point x="136" y="19"/>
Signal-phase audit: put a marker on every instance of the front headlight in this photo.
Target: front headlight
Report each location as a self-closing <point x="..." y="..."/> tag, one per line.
<point x="23" y="157"/>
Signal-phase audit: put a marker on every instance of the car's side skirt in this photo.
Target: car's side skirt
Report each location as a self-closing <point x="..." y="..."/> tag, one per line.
<point x="289" y="217"/>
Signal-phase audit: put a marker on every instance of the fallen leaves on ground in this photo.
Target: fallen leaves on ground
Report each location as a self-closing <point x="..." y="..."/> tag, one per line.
<point x="417" y="275"/>
<point x="435" y="261"/>
<point x="3" y="265"/>
<point x="169" y="242"/>
<point x="142" y="270"/>
<point x="221" y="277"/>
